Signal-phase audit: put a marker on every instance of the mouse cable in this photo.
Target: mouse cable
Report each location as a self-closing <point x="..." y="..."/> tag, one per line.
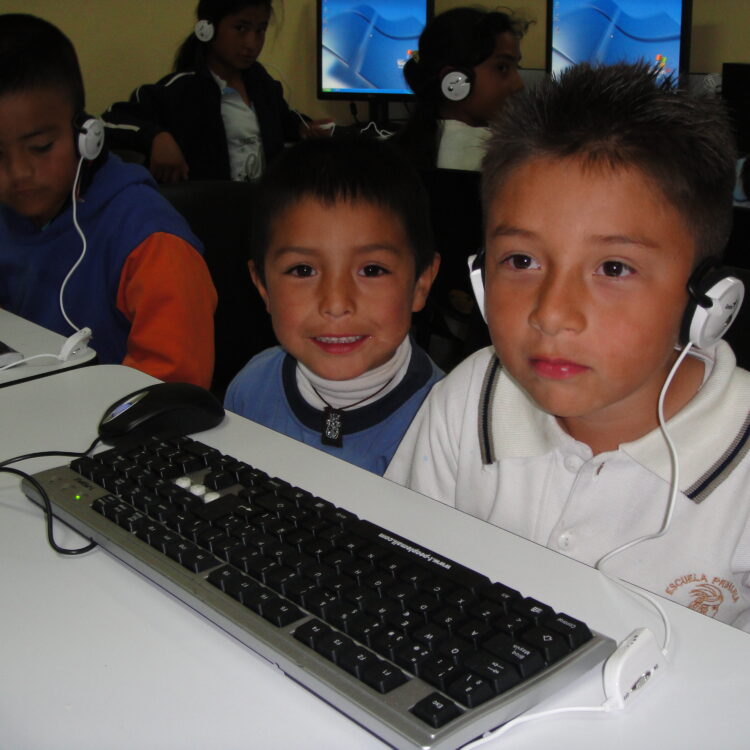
<point x="48" y="514"/>
<point x="42" y="454"/>
<point x="74" y="201"/>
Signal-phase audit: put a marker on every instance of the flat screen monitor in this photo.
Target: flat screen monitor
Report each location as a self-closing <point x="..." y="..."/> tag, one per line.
<point x="604" y="32"/>
<point x="363" y="46"/>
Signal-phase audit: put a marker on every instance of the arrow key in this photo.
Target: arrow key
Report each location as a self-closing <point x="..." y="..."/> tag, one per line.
<point x="552" y="645"/>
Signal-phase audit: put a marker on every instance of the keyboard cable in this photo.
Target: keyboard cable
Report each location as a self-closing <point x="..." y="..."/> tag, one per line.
<point x="4" y="467"/>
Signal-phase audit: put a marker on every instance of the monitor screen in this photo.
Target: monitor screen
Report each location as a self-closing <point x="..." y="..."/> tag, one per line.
<point x="363" y="46"/>
<point x="609" y="31"/>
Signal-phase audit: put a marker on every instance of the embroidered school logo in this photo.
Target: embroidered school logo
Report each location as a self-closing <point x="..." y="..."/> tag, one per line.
<point x="706" y="599"/>
<point x="706" y="595"/>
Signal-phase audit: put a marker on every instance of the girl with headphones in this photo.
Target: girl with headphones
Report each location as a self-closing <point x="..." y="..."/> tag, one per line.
<point x="465" y="69"/>
<point x="220" y="115"/>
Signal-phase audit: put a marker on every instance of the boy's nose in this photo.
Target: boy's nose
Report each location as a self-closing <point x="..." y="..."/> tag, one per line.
<point x="336" y="297"/>
<point x="19" y="167"/>
<point x="253" y="42"/>
<point x="517" y="82"/>
<point x="559" y="307"/>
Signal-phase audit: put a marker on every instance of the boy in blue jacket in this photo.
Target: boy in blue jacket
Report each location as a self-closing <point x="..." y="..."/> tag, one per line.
<point x="85" y="240"/>
<point x="342" y="255"/>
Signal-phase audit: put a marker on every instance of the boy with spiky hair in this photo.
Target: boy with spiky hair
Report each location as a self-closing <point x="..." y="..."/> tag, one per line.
<point x="604" y="190"/>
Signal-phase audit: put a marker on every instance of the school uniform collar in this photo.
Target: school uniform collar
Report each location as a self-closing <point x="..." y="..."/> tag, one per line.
<point x="711" y="433"/>
<point x="362" y="418"/>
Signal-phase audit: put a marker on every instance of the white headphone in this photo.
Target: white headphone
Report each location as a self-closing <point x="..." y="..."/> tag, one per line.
<point x="715" y="300"/>
<point x="476" y="276"/>
<point x="90" y="136"/>
<point x="456" y="85"/>
<point x="204" y="30"/>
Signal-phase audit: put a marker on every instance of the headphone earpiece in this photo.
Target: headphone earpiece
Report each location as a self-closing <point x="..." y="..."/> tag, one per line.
<point x="456" y="85"/>
<point x="715" y="298"/>
<point x="89" y="136"/>
<point x="204" y="30"/>
<point x="476" y="276"/>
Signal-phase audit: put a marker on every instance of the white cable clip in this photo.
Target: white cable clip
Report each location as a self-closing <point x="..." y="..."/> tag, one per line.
<point x="75" y="344"/>
<point x="635" y="663"/>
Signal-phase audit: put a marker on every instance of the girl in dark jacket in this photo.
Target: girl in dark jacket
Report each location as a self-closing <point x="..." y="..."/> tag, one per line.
<point x="219" y="115"/>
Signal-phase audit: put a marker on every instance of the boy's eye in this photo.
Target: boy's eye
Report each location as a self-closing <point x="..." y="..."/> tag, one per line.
<point x="372" y="269"/>
<point x="301" y="270"/>
<point x="521" y="262"/>
<point x="616" y="269"/>
<point x="42" y="148"/>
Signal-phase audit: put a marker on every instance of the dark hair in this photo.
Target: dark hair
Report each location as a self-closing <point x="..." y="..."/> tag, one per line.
<point x="459" y="38"/>
<point x="190" y="53"/>
<point x="337" y="169"/>
<point x="623" y="116"/>
<point x="36" y="54"/>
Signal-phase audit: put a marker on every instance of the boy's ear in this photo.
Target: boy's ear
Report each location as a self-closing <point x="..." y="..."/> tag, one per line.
<point x="424" y="283"/>
<point x="259" y="285"/>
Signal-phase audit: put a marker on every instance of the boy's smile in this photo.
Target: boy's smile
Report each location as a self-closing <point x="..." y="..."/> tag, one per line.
<point x="340" y="286"/>
<point x="37" y="153"/>
<point x="585" y="274"/>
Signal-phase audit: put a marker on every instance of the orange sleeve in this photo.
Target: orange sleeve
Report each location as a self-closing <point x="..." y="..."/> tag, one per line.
<point x="167" y="294"/>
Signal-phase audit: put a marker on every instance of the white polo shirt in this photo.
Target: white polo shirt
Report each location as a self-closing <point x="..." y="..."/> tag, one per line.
<point x="480" y="444"/>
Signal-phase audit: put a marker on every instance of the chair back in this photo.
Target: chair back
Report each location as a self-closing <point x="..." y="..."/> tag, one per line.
<point x="219" y="213"/>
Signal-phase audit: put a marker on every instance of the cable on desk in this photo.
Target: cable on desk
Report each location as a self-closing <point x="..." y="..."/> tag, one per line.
<point x="41" y="454"/>
<point x="524" y="718"/>
<point x="48" y="513"/>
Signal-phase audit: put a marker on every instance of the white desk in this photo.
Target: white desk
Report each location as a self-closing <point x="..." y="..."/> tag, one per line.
<point x="94" y="656"/>
<point x="30" y="339"/>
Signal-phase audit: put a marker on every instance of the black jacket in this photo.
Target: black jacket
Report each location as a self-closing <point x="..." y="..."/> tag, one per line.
<point x="188" y="105"/>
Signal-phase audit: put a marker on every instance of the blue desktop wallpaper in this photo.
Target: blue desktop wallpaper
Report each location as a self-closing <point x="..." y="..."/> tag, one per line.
<point x="609" y="31"/>
<point x="365" y="44"/>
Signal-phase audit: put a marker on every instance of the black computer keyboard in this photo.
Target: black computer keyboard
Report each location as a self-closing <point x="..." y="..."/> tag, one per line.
<point x="421" y="650"/>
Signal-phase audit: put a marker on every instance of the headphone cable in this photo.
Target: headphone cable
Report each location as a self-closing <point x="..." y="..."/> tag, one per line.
<point x="74" y="201"/>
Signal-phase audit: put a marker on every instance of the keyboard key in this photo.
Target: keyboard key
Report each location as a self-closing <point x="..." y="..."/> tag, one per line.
<point x="333" y="644"/>
<point x="471" y="690"/>
<point x="533" y="610"/>
<point x="456" y="649"/>
<point x="552" y="645"/>
<point x="500" y="675"/>
<point x="440" y="671"/>
<point x="411" y="657"/>
<point x="574" y="631"/>
<point x="383" y="677"/>
<point x="281" y="613"/>
<point x="356" y="660"/>
<point x="436" y="710"/>
<point x="528" y="661"/>
<point x="311" y="631"/>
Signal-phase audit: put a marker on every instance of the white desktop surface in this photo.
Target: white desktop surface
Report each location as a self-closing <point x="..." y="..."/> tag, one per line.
<point x="31" y="339"/>
<point x="95" y="656"/>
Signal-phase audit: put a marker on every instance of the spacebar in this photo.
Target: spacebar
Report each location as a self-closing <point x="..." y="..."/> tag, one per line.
<point x="460" y="575"/>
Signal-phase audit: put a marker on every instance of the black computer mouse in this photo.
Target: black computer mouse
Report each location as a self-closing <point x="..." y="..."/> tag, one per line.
<point x="163" y="409"/>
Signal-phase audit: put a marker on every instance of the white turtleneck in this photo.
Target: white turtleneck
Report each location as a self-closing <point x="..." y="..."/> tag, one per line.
<point x="362" y="390"/>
